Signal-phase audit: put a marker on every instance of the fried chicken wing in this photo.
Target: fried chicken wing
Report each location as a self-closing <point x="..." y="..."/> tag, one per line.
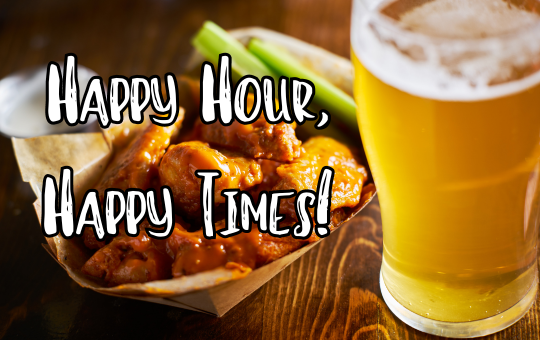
<point x="303" y="173"/>
<point x="137" y="165"/>
<point x="272" y="248"/>
<point x="90" y="240"/>
<point x="130" y="260"/>
<point x="120" y="135"/>
<point x="259" y="139"/>
<point x="194" y="254"/>
<point x="270" y="177"/>
<point x="136" y="267"/>
<point x="177" y="170"/>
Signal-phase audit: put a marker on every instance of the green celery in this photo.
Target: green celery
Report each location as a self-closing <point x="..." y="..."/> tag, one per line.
<point x="327" y="94"/>
<point x="212" y="40"/>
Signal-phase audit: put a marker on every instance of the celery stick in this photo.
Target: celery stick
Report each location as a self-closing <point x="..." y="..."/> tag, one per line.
<point x="327" y="94"/>
<point x="212" y="40"/>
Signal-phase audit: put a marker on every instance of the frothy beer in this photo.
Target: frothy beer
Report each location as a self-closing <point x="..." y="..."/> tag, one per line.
<point x="449" y="111"/>
<point x="462" y="19"/>
<point x="464" y="58"/>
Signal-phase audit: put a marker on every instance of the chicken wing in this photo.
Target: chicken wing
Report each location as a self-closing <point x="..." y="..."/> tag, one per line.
<point x="90" y="240"/>
<point x="193" y="253"/>
<point x="272" y="248"/>
<point x="270" y="177"/>
<point x="129" y="259"/>
<point x="259" y="139"/>
<point x="137" y="165"/>
<point x="120" y="135"/>
<point x="303" y="173"/>
<point x="177" y="170"/>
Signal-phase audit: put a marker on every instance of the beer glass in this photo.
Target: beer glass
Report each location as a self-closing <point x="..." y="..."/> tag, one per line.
<point x="448" y="95"/>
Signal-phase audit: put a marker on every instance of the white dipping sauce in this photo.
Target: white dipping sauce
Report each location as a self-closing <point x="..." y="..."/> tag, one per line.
<point x="22" y="103"/>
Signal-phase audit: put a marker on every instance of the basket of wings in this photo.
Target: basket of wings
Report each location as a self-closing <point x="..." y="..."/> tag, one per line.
<point x="220" y="287"/>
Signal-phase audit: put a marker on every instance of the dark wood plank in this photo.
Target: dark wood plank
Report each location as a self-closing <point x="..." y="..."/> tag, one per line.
<point x="331" y="292"/>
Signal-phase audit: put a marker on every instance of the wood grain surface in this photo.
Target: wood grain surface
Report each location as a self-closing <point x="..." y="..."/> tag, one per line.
<point x="330" y="293"/>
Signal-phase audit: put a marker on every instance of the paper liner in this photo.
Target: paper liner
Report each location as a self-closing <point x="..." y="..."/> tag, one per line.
<point x="213" y="292"/>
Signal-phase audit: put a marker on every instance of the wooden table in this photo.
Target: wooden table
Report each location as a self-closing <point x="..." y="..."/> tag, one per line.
<point x="331" y="292"/>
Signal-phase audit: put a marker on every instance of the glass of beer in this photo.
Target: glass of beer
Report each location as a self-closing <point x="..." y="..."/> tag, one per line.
<point x="448" y="95"/>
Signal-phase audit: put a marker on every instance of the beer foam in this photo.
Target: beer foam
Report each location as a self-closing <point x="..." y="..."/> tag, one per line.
<point x="466" y="19"/>
<point x="449" y="49"/>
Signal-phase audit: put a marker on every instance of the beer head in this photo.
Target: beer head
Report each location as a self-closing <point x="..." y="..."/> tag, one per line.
<point x="450" y="49"/>
<point x="461" y="19"/>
